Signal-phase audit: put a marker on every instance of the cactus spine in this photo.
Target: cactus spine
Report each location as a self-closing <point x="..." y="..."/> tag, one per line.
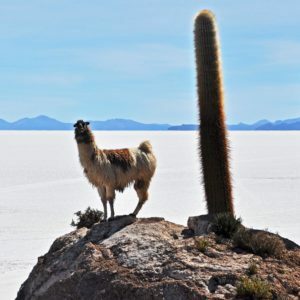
<point x="213" y="134"/>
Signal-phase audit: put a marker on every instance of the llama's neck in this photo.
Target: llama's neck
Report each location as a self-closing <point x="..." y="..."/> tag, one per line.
<point x="87" y="151"/>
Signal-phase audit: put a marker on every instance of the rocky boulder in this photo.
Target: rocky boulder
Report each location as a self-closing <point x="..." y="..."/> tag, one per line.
<point x="130" y="258"/>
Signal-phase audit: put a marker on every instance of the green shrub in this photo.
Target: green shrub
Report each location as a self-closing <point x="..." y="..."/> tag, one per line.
<point x="254" y="288"/>
<point x="260" y="243"/>
<point x="201" y="244"/>
<point x="225" y="224"/>
<point x="87" y="218"/>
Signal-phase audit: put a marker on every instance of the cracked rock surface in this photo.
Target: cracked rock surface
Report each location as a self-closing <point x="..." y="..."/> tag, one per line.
<point x="130" y="258"/>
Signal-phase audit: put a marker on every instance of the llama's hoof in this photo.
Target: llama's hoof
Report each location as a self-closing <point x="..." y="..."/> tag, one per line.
<point x="132" y="215"/>
<point x="111" y="219"/>
<point x="103" y="221"/>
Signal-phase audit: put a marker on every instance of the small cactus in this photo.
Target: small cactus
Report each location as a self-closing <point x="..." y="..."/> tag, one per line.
<point x="213" y="135"/>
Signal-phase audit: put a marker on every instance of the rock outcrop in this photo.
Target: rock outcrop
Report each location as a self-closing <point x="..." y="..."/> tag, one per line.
<point x="130" y="258"/>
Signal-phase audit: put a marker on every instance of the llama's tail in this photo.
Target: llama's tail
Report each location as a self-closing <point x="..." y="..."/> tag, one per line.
<point x="145" y="147"/>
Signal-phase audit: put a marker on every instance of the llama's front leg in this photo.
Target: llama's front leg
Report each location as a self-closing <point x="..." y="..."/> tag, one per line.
<point x="112" y="211"/>
<point x="111" y="199"/>
<point x="104" y="202"/>
<point x="141" y="188"/>
<point x="102" y="194"/>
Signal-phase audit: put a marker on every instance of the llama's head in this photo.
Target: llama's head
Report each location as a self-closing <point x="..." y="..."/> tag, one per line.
<point x="83" y="133"/>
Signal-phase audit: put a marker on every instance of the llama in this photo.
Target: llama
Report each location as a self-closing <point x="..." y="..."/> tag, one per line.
<point x="114" y="170"/>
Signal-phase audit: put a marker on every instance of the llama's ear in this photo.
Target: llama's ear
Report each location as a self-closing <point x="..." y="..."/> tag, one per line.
<point x="87" y="123"/>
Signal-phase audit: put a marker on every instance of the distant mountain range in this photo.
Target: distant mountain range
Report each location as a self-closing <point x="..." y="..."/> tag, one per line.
<point x="289" y="124"/>
<point x="46" y="123"/>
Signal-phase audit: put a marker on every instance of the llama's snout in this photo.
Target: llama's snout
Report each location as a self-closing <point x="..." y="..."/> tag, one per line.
<point x="81" y="125"/>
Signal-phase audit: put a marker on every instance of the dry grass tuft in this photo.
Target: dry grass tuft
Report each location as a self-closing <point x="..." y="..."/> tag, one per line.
<point x="252" y="268"/>
<point x="202" y="244"/>
<point x="253" y="288"/>
<point x="260" y="243"/>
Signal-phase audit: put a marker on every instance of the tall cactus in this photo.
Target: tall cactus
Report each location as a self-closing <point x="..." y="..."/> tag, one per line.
<point x="213" y="134"/>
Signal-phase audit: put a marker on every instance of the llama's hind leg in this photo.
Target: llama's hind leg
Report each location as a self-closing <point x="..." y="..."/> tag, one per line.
<point x="102" y="194"/>
<point x="141" y="188"/>
<point x="110" y="195"/>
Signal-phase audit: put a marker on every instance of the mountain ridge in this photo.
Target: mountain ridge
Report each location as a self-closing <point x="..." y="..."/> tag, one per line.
<point x="43" y="122"/>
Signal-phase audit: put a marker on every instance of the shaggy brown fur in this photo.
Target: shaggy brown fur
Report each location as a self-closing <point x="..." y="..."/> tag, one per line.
<point x="213" y="136"/>
<point x="114" y="170"/>
<point x="120" y="158"/>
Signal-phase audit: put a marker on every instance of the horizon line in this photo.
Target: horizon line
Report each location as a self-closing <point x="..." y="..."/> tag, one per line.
<point x="152" y="122"/>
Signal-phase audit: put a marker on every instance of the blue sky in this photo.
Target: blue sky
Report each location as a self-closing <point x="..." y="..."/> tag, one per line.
<point x="134" y="59"/>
